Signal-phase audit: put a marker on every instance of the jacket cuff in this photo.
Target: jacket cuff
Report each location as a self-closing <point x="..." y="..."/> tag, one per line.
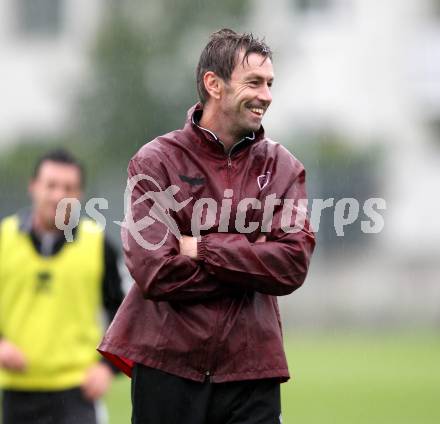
<point x="201" y="249"/>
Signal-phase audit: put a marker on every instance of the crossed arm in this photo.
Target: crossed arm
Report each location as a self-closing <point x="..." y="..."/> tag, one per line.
<point x="188" y="245"/>
<point x="220" y="263"/>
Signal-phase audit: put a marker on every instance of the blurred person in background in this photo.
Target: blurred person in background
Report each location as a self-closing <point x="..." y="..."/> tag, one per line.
<point x="51" y="297"/>
<point x="200" y="331"/>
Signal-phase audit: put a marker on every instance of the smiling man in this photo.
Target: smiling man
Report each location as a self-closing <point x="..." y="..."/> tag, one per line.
<point x="200" y="331"/>
<point x="237" y="99"/>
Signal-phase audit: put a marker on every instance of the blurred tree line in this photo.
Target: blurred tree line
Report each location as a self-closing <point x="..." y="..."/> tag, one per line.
<point x="141" y="83"/>
<point x="339" y="169"/>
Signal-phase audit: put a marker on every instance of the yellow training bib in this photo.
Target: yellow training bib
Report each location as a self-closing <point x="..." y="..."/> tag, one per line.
<point x="50" y="306"/>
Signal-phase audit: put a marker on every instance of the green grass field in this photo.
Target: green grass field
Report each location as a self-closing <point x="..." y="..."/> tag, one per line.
<point x="348" y="379"/>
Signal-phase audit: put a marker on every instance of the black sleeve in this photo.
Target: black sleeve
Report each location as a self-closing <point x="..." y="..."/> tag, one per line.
<point x="112" y="292"/>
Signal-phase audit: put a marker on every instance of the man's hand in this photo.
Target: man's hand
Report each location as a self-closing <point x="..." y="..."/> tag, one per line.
<point x="188" y="246"/>
<point x="97" y="382"/>
<point x="11" y="357"/>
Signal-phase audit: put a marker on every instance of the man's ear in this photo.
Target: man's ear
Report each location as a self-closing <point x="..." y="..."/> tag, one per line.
<point x="213" y="84"/>
<point x="31" y="187"/>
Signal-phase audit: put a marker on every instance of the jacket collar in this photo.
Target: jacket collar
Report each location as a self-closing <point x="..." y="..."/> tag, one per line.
<point x="25" y="217"/>
<point x="194" y="115"/>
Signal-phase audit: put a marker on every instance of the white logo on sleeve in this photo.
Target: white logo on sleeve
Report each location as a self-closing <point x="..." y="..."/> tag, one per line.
<point x="263" y="180"/>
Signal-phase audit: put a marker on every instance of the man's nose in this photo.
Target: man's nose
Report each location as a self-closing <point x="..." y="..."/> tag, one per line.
<point x="265" y="94"/>
<point x="59" y="194"/>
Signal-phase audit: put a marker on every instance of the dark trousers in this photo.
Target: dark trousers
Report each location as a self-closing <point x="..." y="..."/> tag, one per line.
<point x="60" y="407"/>
<point x="162" y="398"/>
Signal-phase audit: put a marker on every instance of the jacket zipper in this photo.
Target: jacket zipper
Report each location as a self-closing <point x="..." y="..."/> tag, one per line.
<point x="211" y="350"/>
<point x="208" y="372"/>
<point x="229" y="157"/>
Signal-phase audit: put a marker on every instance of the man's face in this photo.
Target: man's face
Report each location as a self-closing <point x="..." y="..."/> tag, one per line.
<point x="247" y="95"/>
<point x="54" y="182"/>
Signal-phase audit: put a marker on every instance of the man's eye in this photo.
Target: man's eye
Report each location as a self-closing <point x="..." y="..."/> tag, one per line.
<point x="51" y="185"/>
<point x="254" y="83"/>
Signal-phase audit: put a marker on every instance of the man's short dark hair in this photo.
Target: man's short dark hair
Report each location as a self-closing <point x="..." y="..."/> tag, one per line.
<point x="221" y="53"/>
<point x="61" y="156"/>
